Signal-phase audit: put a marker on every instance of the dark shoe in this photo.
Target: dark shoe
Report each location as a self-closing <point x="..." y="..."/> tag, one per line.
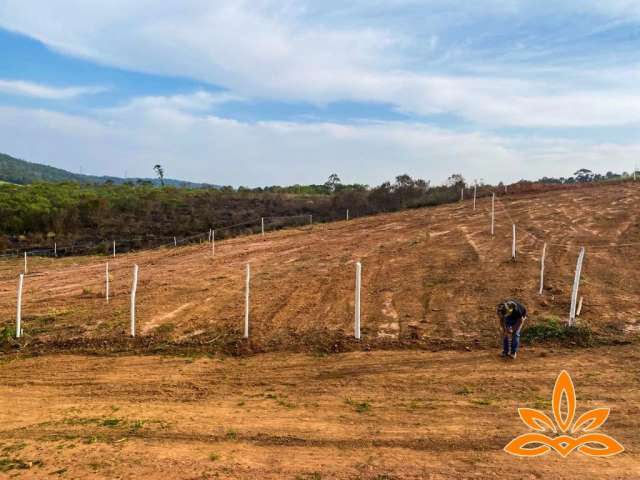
<point x="504" y="354"/>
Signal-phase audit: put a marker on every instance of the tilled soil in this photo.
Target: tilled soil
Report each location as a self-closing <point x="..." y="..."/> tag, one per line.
<point x="422" y="395"/>
<point x="431" y="277"/>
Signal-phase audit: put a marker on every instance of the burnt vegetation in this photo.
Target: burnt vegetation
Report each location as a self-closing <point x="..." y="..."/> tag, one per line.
<point x="141" y="214"/>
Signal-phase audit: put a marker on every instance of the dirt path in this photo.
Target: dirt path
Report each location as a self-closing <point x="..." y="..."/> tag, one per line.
<point x="402" y="415"/>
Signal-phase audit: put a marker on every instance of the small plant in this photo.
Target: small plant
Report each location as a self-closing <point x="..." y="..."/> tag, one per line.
<point x="231" y="434"/>
<point x="465" y="390"/>
<point x="7" y="334"/>
<point x="482" y="401"/>
<point x="214" y="457"/>
<point x="111" y="422"/>
<point x="136" y="425"/>
<point x="360" y="407"/>
<point x="553" y="329"/>
<point x="542" y="403"/>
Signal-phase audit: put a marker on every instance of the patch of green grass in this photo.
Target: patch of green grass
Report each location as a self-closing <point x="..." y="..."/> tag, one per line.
<point x="541" y="403"/>
<point x="360" y="407"/>
<point x="465" y="390"/>
<point x="16" y="447"/>
<point x="552" y="329"/>
<point x="482" y="401"/>
<point x="231" y="434"/>
<point x="110" y="422"/>
<point x="310" y="476"/>
<point x="165" y="329"/>
<point x="214" y="457"/>
<point x="7" y="334"/>
<point x="7" y="464"/>
<point x="136" y="425"/>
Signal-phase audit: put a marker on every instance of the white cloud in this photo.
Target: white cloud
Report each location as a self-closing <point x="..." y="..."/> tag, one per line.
<point x="199" y="101"/>
<point x="293" y="51"/>
<point x="30" y="89"/>
<point x="200" y="147"/>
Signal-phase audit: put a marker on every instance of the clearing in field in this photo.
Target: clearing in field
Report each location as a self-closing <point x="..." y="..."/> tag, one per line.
<point x="423" y="394"/>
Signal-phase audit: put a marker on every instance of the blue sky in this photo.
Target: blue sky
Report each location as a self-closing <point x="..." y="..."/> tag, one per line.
<point x="280" y="92"/>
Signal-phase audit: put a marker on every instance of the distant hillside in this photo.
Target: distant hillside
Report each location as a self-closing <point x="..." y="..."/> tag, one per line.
<point x="13" y="170"/>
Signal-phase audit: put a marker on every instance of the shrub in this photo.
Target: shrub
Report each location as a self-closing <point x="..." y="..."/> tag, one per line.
<point x="553" y="329"/>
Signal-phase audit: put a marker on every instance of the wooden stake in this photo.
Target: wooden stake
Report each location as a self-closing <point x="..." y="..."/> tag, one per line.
<point x="574" y="292"/>
<point x="475" y="188"/>
<point x="513" y="243"/>
<point x="246" y="302"/>
<point x="19" y="307"/>
<point x="493" y="213"/>
<point x="357" y="300"/>
<point x="134" y="288"/>
<point x="106" y="282"/>
<point x="542" y="259"/>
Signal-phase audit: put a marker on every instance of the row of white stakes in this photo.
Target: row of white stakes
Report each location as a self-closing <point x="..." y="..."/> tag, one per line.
<point x="211" y="239"/>
<point x="134" y="288"/>
<point x="575" y="305"/>
<point x="357" y="300"/>
<point x="572" y="312"/>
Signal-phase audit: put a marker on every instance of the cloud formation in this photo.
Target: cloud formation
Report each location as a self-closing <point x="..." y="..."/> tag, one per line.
<point x="299" y="51"/>
<point x="36" y="90"/>
<point x="205" y="147"/>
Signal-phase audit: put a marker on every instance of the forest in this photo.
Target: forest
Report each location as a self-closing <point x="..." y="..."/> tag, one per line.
<point x="141" y="214"/>
<point x="81" y="217"/>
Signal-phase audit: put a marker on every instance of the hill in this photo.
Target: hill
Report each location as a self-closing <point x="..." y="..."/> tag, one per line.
<point x="14" y="170"/>
<point x="431" y="276"/>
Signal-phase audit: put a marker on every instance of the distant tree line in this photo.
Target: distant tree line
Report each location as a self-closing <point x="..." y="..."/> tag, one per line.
<point x="34" y="215"/>
<point x="37" y="214"/>
<point x="584" y="175"/>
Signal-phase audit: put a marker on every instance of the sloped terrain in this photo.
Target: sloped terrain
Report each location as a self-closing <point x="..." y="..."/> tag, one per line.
<point x="430" y="276"/>
<point x="184" y="409"/>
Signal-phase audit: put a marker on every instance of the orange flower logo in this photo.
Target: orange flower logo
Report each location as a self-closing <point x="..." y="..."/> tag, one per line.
<point x="564" y="395"/>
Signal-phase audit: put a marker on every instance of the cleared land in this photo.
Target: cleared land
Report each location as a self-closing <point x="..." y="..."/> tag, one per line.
<point x="429" y="275"/>
<point x="359" y="415"/>
<point x="431" y="279"/>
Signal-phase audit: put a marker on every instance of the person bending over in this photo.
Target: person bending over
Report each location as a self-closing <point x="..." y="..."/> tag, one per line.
<point x="512" y="315"/>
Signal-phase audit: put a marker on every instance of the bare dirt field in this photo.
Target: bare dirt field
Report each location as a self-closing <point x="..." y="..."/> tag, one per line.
<point x="429" y="275"/>
<point x="422" y="395"/>
<point x="359" y="415"/>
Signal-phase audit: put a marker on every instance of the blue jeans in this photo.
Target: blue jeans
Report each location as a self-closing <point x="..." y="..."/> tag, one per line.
<point x="515" y="341"/>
